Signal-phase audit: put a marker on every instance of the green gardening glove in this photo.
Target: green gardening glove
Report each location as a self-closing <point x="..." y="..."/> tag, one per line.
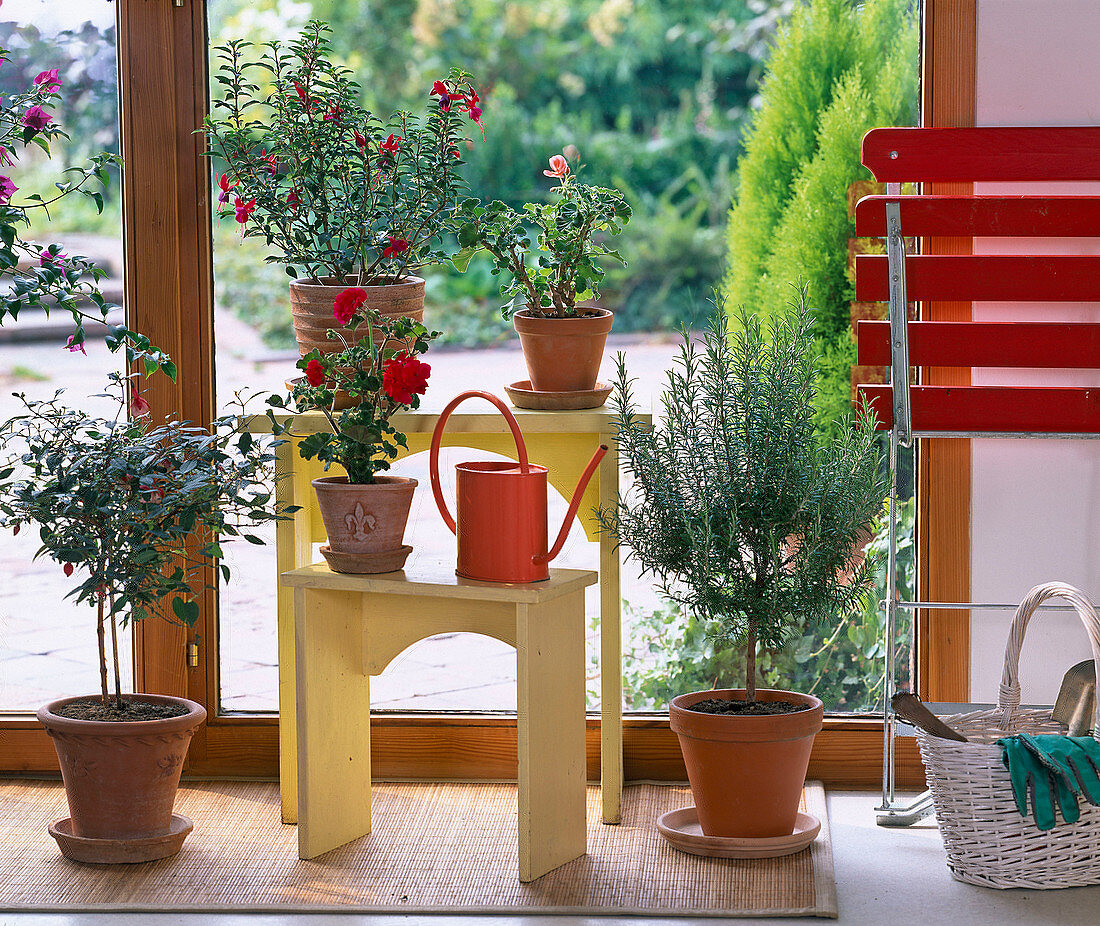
<point x="1030" y="776"/>
<point x="1075" y="758"/>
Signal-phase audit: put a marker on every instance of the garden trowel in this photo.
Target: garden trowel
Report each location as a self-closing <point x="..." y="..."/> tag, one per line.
<point x="1076" y="699"/>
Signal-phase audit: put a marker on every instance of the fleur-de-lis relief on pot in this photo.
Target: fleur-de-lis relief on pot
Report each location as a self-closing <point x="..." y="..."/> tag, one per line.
<point x="359" y="522"/>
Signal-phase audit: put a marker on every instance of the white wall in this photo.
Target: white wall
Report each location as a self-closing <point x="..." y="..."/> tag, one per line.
<point x="1035" y="511"/>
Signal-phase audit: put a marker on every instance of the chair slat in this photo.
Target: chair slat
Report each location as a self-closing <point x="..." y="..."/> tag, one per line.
<point x="973" y="277"/>
<point x="1054" y="345"/>
<point x="1010" y="409"/>
<point x="896" y="155"/>
<point x="994" y="216"/>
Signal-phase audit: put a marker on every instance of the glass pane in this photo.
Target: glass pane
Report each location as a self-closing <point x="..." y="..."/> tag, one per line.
<point x="48" y="644"/>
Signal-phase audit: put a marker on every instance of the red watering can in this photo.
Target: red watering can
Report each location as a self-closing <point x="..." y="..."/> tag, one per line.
<point x="501" y="509"/>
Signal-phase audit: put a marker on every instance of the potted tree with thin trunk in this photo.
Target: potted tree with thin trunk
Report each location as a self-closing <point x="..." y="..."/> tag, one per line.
<point x="746" y="515"/>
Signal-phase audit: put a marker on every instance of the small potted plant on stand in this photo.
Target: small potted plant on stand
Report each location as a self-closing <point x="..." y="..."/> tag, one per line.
<point x="342" y="197"/>
<point x="136" y="515"/>
<point x="358" y="388"/>
<point x="748" y="517"/>
<point x="551" y="289"/>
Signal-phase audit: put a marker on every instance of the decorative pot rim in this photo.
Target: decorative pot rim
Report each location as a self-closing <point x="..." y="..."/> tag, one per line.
<point x="755" y="727"/>
<point x="391" y="483"/>
<point x="195" y="715"/>
<point x="329" y="283"/>
<point x="601" y="313"/>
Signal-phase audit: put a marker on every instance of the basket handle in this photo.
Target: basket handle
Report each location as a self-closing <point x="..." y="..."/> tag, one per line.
<point x="1008" y="698"/>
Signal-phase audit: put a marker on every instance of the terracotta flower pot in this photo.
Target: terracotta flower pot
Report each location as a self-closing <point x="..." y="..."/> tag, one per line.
<point x="563" y="354"/>
<point x="121" y="777"/>
<point x="746" y="772"/>
<point x="365" y="523"/>
<point x="311" y="307"/>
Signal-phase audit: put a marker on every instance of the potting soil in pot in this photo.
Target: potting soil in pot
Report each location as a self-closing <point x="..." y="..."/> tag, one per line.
<point x="728" y="706"/>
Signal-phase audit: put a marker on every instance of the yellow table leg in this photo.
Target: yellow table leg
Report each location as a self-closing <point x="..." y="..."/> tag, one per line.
<point x="333" y="720"/>
<point x="550" y="702"/>
<point x="611" y="648"/>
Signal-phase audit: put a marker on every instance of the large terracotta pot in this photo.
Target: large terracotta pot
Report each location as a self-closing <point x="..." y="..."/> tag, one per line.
<point x="746" y="772"/>
<point x="311" y="306"/>
<point x="365" y="523"/>
<point x="563" y="354"/>
<point x="121" y="778"/>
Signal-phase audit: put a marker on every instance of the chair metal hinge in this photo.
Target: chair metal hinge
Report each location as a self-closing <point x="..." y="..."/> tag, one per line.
<point x="193" y="655"/>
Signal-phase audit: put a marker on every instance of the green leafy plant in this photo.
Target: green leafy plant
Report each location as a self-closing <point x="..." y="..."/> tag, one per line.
<point x="337" y="191"/>
<point x="136" y="513"/>
<point x="570" y="231"/>
<point x="743" y="514"/>
<point x="378" y="370"/>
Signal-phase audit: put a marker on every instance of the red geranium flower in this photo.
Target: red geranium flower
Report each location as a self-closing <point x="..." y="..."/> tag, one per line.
<point x="315" y="373"/>
<point x="396" y="246"/>
<point x="559" y="167"/>
<point x="36" y="118"/>
<point x="347" y="303"/>
<point x="403" y="377"/>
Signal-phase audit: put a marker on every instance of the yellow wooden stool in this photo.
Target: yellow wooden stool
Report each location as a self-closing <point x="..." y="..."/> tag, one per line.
<point x="347" y="628"/>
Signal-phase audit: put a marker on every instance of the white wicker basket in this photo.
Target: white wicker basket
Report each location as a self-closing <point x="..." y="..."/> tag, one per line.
<point x="987" y="841"/>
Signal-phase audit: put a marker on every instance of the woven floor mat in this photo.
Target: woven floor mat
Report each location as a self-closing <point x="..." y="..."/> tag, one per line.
<point x="436" y="847"/>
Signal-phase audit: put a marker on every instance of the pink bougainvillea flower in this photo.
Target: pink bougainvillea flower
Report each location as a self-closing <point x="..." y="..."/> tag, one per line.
<point x="243" y="209"/>
<point x="315" y="373"/>
<point x="405" y="376"/>
<point x="559" y="167"/>
<point x="49" y="80"/>
<point x="72" y="345"/>
<point x="36" y="118"/>
<point x="225" y="185"/>
<point x="7" y="190"/>
<point x="5" y="156"/>
<point x="396" y="246"/>
<point x="47" y="259"/>
<point x="334" y="114"/>
<point x="307" y="103"/>
<point x="360" y="140"/>
<point x="347" y="303"/>
<point x="139" y="408"/>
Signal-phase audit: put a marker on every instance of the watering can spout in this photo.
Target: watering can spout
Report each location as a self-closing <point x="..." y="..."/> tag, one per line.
<point x="574" y="504"/>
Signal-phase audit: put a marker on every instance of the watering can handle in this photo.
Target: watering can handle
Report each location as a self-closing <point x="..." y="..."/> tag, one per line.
<point x="437" y="437"/>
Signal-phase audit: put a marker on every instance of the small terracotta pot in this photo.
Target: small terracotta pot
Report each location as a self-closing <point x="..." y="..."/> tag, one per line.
<point x="563" y="354"/>
<point x="365" y="521"/>
<point x="121" y="777"/>
<point x="746" y="773"/>
<point x="311" y="306"/>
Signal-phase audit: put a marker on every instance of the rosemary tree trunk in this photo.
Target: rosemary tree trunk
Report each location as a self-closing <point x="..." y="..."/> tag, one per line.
<point x="114" y="654"/>
<point x="102" y="654"/>
<point x="750" y="667"/>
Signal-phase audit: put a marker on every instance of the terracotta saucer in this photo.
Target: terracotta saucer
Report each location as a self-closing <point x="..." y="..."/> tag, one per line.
<point x="115" y="851"/>
<point x="681" y="828"/>
<point x="523" y="396"/>
<point x="366" y="563"/>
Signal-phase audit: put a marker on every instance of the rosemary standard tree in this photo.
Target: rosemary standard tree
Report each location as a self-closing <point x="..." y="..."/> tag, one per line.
<point x="742" y="511"/>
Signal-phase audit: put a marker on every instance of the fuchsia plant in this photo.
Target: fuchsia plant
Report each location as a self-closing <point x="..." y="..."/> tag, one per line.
<point x="337" y="192"/>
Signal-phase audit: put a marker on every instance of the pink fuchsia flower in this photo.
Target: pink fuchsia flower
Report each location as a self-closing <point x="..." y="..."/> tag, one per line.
<point x="7" y="190"/>
<point x="72" y="345"/>
<point x="396" y="246"/>
<point x="405" y="376"/>
<point x="559" y="167"/>
<point x="244" y="209"/>
<point x="225" y="185"/>
<point x="347" y="303"/>
<point x="49" y="80"/>
<point x="474" y="112"/>
<point x="391" y="145"/>
<point x="315" y="373"/>
<point x="36" y="118"/>
<point x="139" y="408"/>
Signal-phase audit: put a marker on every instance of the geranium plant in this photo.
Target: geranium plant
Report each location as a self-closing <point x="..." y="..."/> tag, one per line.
<point x="562" y="270"/>
<point x="135" y="514"/>
<point x="381" y="373"/>
<point x="335" y="190"/>
<point x="43" y="275"/>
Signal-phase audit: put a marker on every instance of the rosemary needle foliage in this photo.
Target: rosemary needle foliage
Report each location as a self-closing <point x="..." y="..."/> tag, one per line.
<point x="743" y="511"/>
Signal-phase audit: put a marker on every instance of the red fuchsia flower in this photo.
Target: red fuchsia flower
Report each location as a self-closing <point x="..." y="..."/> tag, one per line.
<point x="68" y="569"/>
<point x="244" y="209"/>
<point x="559" y="167"/>
<point x="72" y="345"/>
<point x="334" y="114"/>
<point x="391" y="145"/>
<point x="294" y="198"/>
<point x="403" y="377"/>
<point x="15" y="530"/>
<point x="7" y="190"/>
<point x="440" y="88"/>
<point x="139" y="408"/>
<point x="474" y="112"/>
<point x="36" y="118"/>
<point x="307" y="103"/>
<point x="271" y="161"/>
<point x="360" y="140"/>
<point x="347" y="303"/>
<point x="396" y="246"/>
<point x="315" y="373"/>
<point x="49" y="80"/>
<point x="225" y="185"/>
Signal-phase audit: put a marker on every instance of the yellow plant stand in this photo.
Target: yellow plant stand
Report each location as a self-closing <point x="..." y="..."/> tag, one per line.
<point x="347" y="628"/>
<point x="563" y="441"/>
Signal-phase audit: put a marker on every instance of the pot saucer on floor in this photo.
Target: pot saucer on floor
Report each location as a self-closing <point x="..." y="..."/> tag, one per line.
<point x="681" y="828"/>
<point x="366" y="563"/>
<point x="523" y="396"/>
<point x="115" y="851"/>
